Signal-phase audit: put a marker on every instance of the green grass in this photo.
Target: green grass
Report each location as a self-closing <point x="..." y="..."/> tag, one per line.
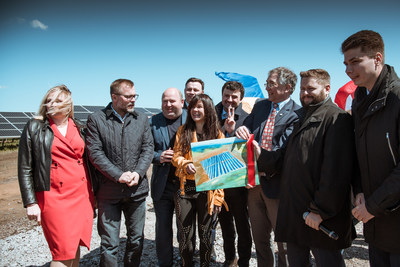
<point x="9" y="144"/>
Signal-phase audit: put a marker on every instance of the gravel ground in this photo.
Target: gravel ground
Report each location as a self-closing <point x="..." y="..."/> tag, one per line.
<point x="29" y="248"/>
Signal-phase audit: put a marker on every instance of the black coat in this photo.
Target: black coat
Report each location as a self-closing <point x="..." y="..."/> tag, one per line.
<point x="317" y="170"/>
<point x="377" y="126"/>
<point x="34" y="159"/>
<point x="115" y="148"/>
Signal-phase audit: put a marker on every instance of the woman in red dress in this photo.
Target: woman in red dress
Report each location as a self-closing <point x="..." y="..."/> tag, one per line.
<point x="54" y="177"/>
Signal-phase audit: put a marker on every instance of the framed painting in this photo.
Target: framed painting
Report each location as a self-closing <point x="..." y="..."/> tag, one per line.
<point x="224" y="163"/>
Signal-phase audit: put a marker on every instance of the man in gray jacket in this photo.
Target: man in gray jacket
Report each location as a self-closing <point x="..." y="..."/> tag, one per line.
<point x="120" y="146"/>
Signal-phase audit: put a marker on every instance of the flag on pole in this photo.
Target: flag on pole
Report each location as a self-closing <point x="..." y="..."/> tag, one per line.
<point x="250" y="83"/>
<point x="345" y="95"/>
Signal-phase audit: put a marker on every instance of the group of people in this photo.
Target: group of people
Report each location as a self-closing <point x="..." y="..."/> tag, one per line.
<point x="319" y="167"/>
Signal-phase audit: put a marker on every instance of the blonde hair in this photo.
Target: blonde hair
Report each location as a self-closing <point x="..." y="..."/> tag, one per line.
<point x="66" y="105"/>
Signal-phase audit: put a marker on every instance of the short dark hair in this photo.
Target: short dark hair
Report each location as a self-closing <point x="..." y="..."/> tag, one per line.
<point x="234" y="86"/>
<point x="322" y="76"/>
<point x="194" y="80"/>
<point x="369" y="41"/>
<point x="115" y="86"/>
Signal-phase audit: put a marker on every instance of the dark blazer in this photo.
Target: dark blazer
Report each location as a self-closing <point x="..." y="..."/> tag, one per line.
<point x="284" y="121"/>
<point x="159" y="129"/>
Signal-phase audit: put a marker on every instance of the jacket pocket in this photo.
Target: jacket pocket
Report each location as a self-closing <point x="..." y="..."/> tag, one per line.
<point x="390" y="148"/>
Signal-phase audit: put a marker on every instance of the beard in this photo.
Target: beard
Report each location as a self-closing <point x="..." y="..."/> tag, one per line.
<point x="306" y="101"/>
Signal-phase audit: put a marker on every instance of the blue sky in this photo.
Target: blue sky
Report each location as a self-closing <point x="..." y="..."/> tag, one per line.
<point x="88" y="44"/>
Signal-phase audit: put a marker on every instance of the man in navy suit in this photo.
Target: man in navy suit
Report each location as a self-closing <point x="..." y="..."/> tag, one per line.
<point x="278" y="114"/>
<point x="163" y="180"/>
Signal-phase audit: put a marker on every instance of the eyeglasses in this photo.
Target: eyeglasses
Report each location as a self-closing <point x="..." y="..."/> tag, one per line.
<point x="270" y="85"/>
<point x="129" y="97"/>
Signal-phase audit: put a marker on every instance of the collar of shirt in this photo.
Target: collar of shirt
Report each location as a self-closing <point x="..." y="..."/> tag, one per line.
<point x="224" y="114"/>
<point x="119" y="116"/>
<point x="281" y="104"/>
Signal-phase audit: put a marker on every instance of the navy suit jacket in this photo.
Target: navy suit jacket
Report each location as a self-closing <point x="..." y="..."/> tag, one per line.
<point x="159" y="129"/>
<point x="283" y="127"/>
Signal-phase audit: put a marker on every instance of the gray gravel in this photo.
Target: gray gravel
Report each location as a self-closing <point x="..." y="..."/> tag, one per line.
<point x="30" y="248"/>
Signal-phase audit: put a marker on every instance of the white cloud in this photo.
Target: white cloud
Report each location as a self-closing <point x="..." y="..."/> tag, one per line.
<point x="38" y="24"/>
<point x="3" y="87"/>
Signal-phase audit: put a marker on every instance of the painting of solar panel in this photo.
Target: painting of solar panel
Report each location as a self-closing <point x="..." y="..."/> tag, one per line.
<point x="221" y="164"/>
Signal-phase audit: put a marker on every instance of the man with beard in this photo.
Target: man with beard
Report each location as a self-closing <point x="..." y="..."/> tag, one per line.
<point x="164" y="183"/>
<point x="376" y="113"/>
<point x="120" y="146"/>
<point x="318" y="165"/>
<point x="231" y="116"/>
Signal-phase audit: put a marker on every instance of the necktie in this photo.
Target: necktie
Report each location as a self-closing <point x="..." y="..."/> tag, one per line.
<point x="266" y="140"/>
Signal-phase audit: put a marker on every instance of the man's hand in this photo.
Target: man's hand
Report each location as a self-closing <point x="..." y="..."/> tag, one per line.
<point x="242" y="132"/>
<point x="166" y="156"/>
<point x="257" y="149"/>
<point x="360" y="212"/>
<point x="190" y="169"/>
<point x="313" y="220"/>
<point x="135" y="179"/>
<point x="34" y="213"/>
<point x="125" y="178"/>
<point x="230" y="122"/>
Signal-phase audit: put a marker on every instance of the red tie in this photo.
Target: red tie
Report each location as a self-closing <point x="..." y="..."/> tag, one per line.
<point x="266" y="140"/>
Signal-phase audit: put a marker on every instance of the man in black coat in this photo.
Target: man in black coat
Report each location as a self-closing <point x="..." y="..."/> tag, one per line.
<point x="263" y="200"/>
<point x="164" y="183"/>
<point x="229" y="111"/>
<point x="318" y="165"/>
<point x="120" y="147"/>
<point x="376" y="113"/>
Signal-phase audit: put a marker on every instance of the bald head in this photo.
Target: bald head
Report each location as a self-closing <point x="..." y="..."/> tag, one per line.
<point x="172" y="103"/>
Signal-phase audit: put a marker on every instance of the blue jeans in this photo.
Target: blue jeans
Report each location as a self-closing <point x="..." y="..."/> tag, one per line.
<point x="299" y="256"/>
<point x="378" y="257"/>
<point x="164" y="210"/>
<point x="108" y="226"/>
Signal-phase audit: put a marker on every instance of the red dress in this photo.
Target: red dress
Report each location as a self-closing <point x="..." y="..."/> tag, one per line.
<point x="67" y="209"/>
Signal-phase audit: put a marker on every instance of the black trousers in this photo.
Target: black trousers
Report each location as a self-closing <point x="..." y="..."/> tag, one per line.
<point x="187" y="208"/>
<point x="237" y="217"/>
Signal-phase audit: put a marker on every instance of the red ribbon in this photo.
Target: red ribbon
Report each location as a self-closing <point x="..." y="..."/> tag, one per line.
<point x="251" y="169"/>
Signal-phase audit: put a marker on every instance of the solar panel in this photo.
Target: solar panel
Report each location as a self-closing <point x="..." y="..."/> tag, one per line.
<point x="221" y="164"/>
<point x="10" y="133"/>
<point x="12" y="123"/>
<point x="79" y="109"/>
<point x="6" y="126"/>
<point x="93" y="108"/>
<point x="13" y="114"/>
<point x="16" y="120"/>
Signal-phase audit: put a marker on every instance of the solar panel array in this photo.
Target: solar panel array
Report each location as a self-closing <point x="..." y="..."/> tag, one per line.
<point x="12" y="123"/>
<point x="221" y="164"/>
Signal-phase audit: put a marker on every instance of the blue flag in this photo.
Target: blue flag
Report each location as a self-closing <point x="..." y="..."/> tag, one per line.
<point x="250" y="83"/>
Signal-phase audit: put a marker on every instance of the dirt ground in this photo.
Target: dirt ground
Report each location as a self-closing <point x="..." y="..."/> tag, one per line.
<point x="12" y="214"/>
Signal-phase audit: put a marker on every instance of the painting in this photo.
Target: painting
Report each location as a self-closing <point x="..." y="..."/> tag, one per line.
<point x="222" y="163"/>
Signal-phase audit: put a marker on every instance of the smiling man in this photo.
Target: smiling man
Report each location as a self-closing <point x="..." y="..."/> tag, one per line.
<point x="318" y="165"/>
<point x="236" y="220"/>
<point x="376" y="113"/>
<point x="164" y="183"/>
<point x="271" y="121"/>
